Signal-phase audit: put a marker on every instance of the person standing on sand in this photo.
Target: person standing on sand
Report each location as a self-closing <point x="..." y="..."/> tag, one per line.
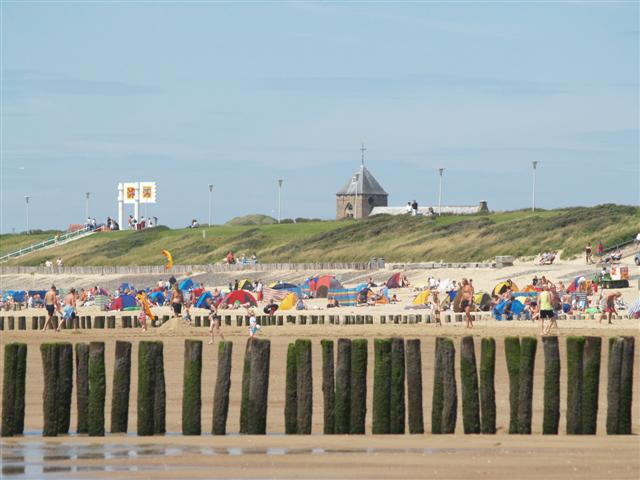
<point x="545" y="309"/>
<point x="610" y="306"/>
<point x="69" y="309"/>
<point x="467" y="301"/>
<point x="253" y="324"/>
<point x="435" y="301"/>
<point x="588" y="253"/>
<point x="51" y="303"/>
<point x="214" y="320"/>
<point x="176" y="301"/>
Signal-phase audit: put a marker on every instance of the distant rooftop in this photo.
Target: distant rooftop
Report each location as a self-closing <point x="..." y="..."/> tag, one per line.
<point x="367" y="184"/>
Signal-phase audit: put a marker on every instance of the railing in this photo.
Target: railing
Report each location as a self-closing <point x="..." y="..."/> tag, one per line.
<point x="57" y="240"/>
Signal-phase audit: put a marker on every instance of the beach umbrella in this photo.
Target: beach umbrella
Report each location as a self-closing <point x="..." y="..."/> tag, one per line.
<point x="502" y="287"/>
<point x="241" y="296"/>
<point x="422" y="298"/>
<point x="245" y="284"/>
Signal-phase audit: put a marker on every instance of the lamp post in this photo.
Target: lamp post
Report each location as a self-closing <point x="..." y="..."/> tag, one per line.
<point x="440" y="171"/>
<point x="280" y="199"/>
<point x="26" y="199"/>
<point x="210" y="200"/>
<point x="354" y="180"/>
<point x="533" y="195"/>
<point x="86" y="205"/>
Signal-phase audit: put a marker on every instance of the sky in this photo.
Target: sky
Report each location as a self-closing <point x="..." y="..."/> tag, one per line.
<point x="242" y="94"/>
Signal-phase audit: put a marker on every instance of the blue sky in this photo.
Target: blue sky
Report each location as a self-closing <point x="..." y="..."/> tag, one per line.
<point x="242" y="94"/>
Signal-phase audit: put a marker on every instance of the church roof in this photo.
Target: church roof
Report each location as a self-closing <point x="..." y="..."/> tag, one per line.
<point x="367" y="184"/>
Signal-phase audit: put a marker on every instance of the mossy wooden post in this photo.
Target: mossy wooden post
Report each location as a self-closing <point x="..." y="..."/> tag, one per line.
<point x="64" y="387"/>
<point x="616" y="346"/>
<point x="121" y="388"/>
<point x="449" y="390"/>
<point x="246" y="381"/>
<point x="512" y="355"/>
<point x="50" y="363"/>
<point x="151" y="389"/>
<point x="381" y="386"/>
<point x="328" y="386"/>
<point x="192" y="388"/>
<point x="343" y="387"/>
<point x="160" y="393"/>
<point x="259" y="387"/>
<point x="575" y="350"/>
<point x="414" y="386"/>
<point x="304" y="386"/>
<point x="291" y="392"/>
<point x="13" y="389"/>
<point x="437" y="399"/>
<point x="590" y="384"/>
<point x="358" y="385"/>
<point x="469" y="379"/>
<point x="551" y="415"/>
<point x="528" y="347"/>
<point x="487" y="385"/>
<point x="97" y="389"/>
<point x="223" y="385"/>
<point x="82" y="386"/>
<point x="397" y="409"/>
<point x="626" y="386"/>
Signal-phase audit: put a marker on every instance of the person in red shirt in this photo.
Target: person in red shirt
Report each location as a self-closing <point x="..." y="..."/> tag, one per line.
<point x="600" y="249"/>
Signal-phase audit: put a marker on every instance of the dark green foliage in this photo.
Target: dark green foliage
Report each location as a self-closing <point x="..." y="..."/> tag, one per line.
<point x="487" y="385"/>
<point x="551" y="416"/>
<point x="616" y="346"/>
<point x="590" y="384"/>
<point x="64" y="387"/>
<point x="626" y="385"/>
<point x="328" y="386"/>
<point x="469" y="379"/>
<point x="82" y="386"/>
<point x="381" y="386"/>
<point x="291" y="393"/>
<point x="437" y="398"/>
<point x="50" y="364"/>
<point x="414" y="386"/>
<point x="343" y="387"/>
<point x="223" y="385"/>
<point x="358" y="385"/>
<point x="259" y="387"/>
<point x="525" y="398"/>
<point x="151" y="389"/>
<point x="246" y="381"/>
<point x="121" y="388"/>
<point x="304" y="386"/>
<point x="97" y="389"/>
<point x="449" y="390"/>
<point x="192" y="388"/>
<point x="397" y="413"/>
<point x="575" y="349"/>
<point x="512" y="355"/>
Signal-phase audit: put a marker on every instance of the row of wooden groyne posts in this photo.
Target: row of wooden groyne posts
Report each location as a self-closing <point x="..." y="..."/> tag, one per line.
<point x="35" y="322"/>
<point x="397" y="382"/>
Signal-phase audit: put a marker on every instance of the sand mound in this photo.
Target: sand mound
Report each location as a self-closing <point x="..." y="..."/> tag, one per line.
<point x="176" y="324"/>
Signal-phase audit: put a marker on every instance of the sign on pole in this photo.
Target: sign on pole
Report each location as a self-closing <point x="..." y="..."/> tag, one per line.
<point x="148" y="192"/>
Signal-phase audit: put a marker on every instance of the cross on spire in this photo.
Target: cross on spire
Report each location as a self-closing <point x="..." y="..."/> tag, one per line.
<point x="362" y="150"/>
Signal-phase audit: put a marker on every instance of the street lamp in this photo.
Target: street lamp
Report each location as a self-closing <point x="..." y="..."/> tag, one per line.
<point x="533" y="199"/>
<point x="354" y="180"/>
<point x="26" y="199"/>
<point x="86" y="207"/>
<point x="279" y="199"/>
<point x="210" y="196"/>
<point x="440" y="171"/>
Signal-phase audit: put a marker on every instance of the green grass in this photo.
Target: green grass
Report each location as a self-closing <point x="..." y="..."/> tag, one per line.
<point x="401" y="238"/>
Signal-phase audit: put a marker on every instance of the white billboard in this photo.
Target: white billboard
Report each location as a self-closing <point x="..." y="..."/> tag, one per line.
<point x="131" y="192"/>
<point x="147" y="192"/>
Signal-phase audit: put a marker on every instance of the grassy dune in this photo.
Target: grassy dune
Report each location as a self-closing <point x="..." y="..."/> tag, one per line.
<point x="401" y="238"/>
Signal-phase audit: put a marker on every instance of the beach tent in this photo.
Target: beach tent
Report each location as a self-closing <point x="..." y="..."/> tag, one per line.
<point x="202" y="300"/>
<point x="156" y="297"/>
<point x="122" y="302"/>
<point x="185" y="284"/>
<point x="124" y="287"/>
<point x="422" y="298"/>
<point x="483" y="301"/>
<point x="309" y="286"/>
<point x="289" y="287"/>
<point x="517" y="307"/>
<point x="245" y="284"/>
<point x="502" y="287"/>
<point x="362" y="285"/>
<point x="288" y="302"/>
<point x="395" y="281"/>
<point x="325" y="284"/>
<point x="346" y="296"/>
<point x="634" y="309"/>
<point x="457" y="301"/>
<point x="17" y="295"/>
<point x="241" y="296"/>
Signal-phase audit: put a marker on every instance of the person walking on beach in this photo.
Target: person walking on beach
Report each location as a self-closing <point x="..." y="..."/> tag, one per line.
<point x="435" y="301"/>
<point x="69" y="309"/>
<point x="545" y="309"/>
<point x="467" y="301"/>
<point x="588" y="253"/>
<point x="214" y="320"/>
<point x="600" y="249"/>
<point x="610" y="306"/>
<point x="253" y="324"/>
<point x="176" y="301"/>
<point x="51" y="303"/>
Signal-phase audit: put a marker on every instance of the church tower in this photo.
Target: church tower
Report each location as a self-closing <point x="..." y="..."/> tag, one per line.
<point x="360" y="194"/>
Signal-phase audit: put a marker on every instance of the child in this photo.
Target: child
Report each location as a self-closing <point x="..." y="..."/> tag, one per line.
<point x="145" y="310"/>
<point x="187" y="315"/>
<point x="253" y="324"/>
<point x="214" y="320"/>
<point x="436" y="306"/>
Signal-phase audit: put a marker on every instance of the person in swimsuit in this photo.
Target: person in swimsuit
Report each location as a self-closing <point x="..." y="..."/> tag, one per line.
<point x="69" y="310"/>
<point x="176" y="301"/>
<point x="610" y="306"/>
<point x="435" y="301"/>
<point x="545" y="309"/>
<point x="253" y="324"/>
<point x="467" y="301"/>
<point x="51" y="303"/>
<point x="214" y="320"/>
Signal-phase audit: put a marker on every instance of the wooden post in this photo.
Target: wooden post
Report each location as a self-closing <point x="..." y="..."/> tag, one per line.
<point x="121" y="388"/>
<point x="291" y="392"/>
<point x="82" y="386"/>
<point x="97" y="389"/>
<point x="397" y="410"/>
<point x="449" y="391"/>
<point x="223" y="385"/>
<point x="381" y="386"/>
<point x="469" y="379"/>
<point x="575" y="350"/>
<point x="259" y="387"/>
<point x="192" y="388"/>
<point x="551" y="416"/>
<point x="512" y="355"/>
<point x="590" y="384"/>
<point x="304" y="386"/>
<point x="525" y="397"/>
<point x="328" y="386"/>
<point x="487" y="385"/>
<point x="414" y="386"/>
<point x="343" y="387"/>
<point x="64" y="387"/>
<point x="358" y="385"/>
